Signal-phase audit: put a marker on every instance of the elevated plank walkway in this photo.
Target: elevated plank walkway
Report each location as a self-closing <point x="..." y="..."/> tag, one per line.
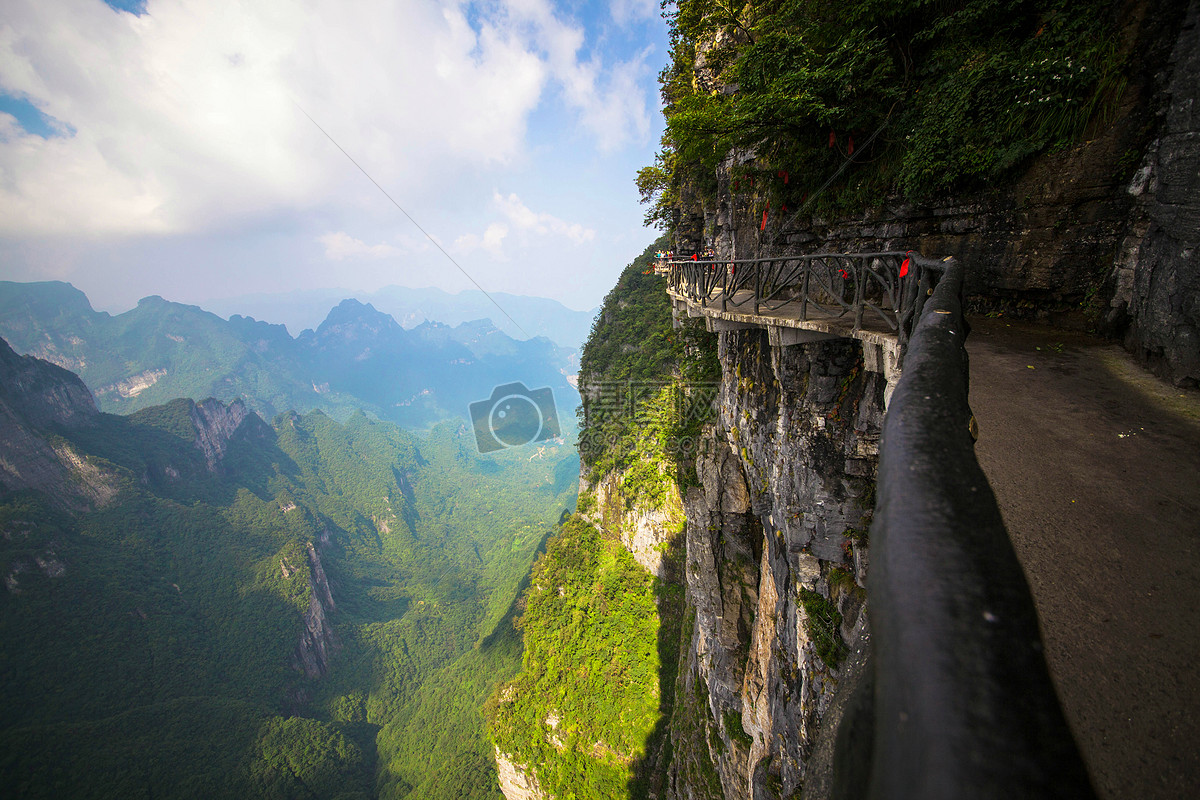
<point x="871" y="297"/>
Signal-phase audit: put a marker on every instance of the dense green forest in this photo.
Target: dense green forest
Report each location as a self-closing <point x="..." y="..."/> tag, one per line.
<point x="832" y="105"/>
<point x="647" y="386"/>
<point x="598" y="670"/>
<point x="150" y="643"/>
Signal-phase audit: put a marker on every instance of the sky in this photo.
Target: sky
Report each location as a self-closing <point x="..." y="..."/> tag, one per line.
<point x="193" y="149"/>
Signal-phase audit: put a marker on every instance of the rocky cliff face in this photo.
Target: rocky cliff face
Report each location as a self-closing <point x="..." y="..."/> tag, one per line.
<point x="1103" y="234"/>
<point x="776" y="560"/>
<point x="1156" y="274"/>
<point x="215" y="425"/>
<point x="648" y="533"/>
<point x="42" y="393"/>
<point x="517" y="781"/>
<point x="319" y="642"/>
<point x="37" y="399"/>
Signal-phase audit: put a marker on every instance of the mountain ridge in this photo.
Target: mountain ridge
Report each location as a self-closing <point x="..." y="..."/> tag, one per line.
<point x="303" y="309"/>
<point x="359" y="357"/>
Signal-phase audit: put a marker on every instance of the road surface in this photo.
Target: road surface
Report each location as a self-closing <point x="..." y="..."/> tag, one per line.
<point x="1096" y="467"/>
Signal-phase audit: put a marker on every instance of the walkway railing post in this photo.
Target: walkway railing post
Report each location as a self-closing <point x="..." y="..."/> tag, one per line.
<point x="724" y="287"/>
<point x="757" y="286"/>
<point x="804" y="291"/>
<point x="860" y="273"/>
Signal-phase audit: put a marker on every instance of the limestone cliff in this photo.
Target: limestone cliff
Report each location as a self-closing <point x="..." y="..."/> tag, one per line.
<point x="759" y="516"/>
<point x="776" y="560"/>
<point x="38" y="400"/>
<point x="215" y="424"/>
<point x="319" y="642"/>
<point x="647" y="531"/>
<point x="42" y="393"/>
<point x="517" y="781"/>
<point x="1156" y="274"/>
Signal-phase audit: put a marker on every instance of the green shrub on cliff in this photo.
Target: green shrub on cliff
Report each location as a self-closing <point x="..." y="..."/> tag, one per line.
<point x="934" y="96"/>
<point x="647" y="387"/>
<point x="588" y="697"/>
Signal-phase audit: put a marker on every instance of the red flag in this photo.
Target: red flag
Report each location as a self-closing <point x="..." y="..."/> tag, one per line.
<point x="904" y="268"/>
<point x="832" y="140"/>
<point x="763" y="227"/>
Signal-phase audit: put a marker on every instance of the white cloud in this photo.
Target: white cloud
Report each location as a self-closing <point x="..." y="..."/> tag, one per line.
<point x="492" y="241"/>
<point x="627" y="11"/>
<point x="340" y="246"/>
<point x="614" y="114"/>
<point x="525" y="224"/>
<point x="184" y="119"/>
<point x="529" y="221"/>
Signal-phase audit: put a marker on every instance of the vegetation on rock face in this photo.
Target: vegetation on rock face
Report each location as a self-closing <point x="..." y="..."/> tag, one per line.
<point x="823" y="623"/>
<point x="588" y="699"/>
<point x="922" y="97"/>
<point x="589" y="711"/>
<point x="647" y="387"/>
<point x="148" y="644"/>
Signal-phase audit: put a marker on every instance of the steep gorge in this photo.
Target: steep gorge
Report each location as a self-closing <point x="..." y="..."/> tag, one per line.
<point x="757" y="516"/>
<point x="778" y="486"/>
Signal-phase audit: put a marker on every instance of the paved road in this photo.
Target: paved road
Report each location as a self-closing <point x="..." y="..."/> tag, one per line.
<point x="1096" y="467"/>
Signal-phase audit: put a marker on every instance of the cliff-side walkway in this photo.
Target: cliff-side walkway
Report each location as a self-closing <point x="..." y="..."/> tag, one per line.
<point x="1096" y="468"/>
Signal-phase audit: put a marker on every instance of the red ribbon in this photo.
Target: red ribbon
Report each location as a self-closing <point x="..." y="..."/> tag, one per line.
<point x="832" y="140"/>
<point x="850" y="148"/>
<point x="763" y="227"/>
<point x="904" y="266"/>
<point x="783" y="174"/>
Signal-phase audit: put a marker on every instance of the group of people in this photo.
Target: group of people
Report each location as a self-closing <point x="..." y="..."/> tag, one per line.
<point x="708" y="254"/>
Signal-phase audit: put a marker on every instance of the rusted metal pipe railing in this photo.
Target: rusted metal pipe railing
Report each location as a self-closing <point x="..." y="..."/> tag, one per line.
<point x="962" y="705"/>
<point x="887" y="287"/>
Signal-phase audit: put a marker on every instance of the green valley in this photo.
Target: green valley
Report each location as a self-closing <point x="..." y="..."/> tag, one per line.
<point x="201" y="603"/>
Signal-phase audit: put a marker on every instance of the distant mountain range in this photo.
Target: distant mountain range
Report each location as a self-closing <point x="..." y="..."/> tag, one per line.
<point x="358" y="357"/>
<point x="306" y="308"/>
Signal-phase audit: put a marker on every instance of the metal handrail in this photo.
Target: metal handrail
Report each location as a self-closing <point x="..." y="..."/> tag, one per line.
<point x="962" y="704"/>
<point x="889" y="286"/>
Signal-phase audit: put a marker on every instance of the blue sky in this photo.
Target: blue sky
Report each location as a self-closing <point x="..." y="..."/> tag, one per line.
<point x="163" y="151"/>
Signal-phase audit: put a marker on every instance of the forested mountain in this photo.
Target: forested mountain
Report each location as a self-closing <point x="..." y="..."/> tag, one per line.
<point x="199" y="603"/>
<point x="358" y="358"/>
